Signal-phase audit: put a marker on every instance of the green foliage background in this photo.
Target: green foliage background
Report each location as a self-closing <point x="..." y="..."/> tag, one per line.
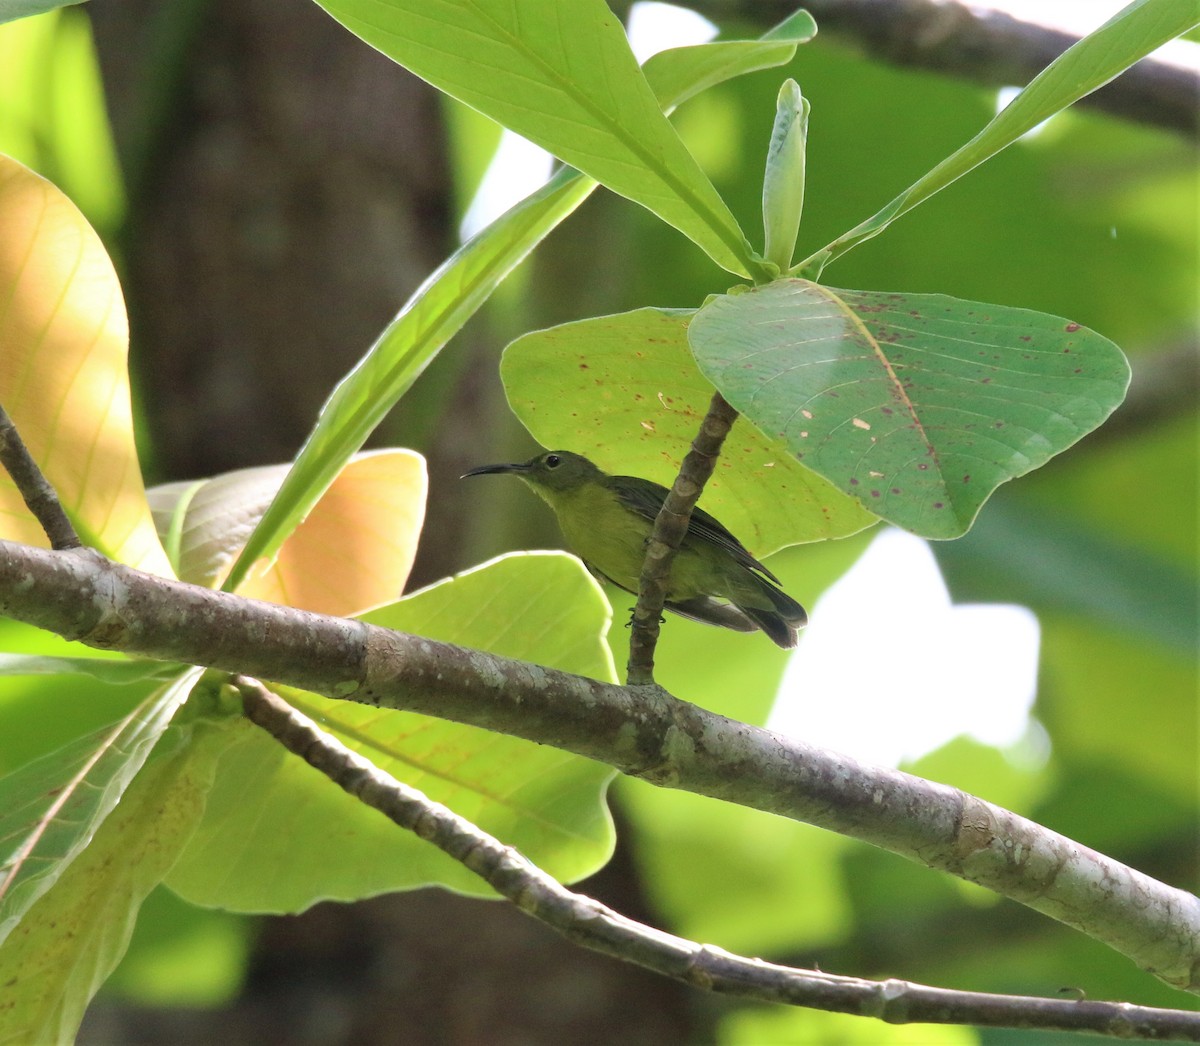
<point x="1092" y="219"/>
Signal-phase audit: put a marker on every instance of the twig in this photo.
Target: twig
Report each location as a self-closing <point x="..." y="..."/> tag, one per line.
<point x="643" y="732"/>
<point x="670" y="526"/>
<point x="983" y="46"/>
<point x="34" y="488"/>
<point x="593" y="925"/>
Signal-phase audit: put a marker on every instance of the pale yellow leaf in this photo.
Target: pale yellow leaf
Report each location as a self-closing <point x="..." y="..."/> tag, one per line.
<point x="63" y="377"/>
<point x="356" y="548"/>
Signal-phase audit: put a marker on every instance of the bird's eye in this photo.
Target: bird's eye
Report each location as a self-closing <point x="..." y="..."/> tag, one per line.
<point x="553" y="461"/>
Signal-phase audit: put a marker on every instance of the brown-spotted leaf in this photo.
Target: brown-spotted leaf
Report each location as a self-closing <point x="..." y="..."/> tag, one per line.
<point x="918" y="405"/>
<point x="625" y="391"/>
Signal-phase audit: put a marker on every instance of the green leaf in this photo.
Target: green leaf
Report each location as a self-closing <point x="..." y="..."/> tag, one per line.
<point x="58" y="125"/>
<point x="680" y="73"/>
<point x="11" y="10"/>
<point x="918" y="405"/>
<point x="53" y="806"/>
<point x="563" y="76"/>
<point x="1099" y="57"/>
<point x="118" y="671"/>
<point x="303" y="839"/>
<point x="624" y="391"/>
<point x="458" y="288"/>
<point x="74" y="935"/>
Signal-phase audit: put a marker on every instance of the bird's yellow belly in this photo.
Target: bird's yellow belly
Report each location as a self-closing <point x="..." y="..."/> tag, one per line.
<point x="612" y="539"/>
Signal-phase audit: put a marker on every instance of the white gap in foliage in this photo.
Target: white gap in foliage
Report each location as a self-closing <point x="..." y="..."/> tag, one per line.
<point x="890" y="670"/>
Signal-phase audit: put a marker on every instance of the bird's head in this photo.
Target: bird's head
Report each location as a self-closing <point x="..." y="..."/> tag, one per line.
<point x="556" y="471"/>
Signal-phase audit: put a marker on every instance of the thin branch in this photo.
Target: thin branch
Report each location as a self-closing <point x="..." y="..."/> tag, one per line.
<point x="670" y="526"/>
<point x="643" y="732"/>
<point x="34" y="488"/>
<point x="589" y="923"/>
<point x="984" y="45"/>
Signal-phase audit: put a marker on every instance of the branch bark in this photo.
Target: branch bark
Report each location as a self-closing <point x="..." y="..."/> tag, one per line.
<point x="593" y="925"/>
<point x="39" y="496"/>
<point x="978" y="43"/>
<point x="643" y="732"/>
<point x="670" y="527"/>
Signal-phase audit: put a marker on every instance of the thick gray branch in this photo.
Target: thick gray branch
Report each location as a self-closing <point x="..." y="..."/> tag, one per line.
<point x="642" y="731"/>
<point x="981" y="45"/>
<point x="594" y="925"/>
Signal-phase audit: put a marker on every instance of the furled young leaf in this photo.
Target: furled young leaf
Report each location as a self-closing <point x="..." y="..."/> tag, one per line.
<point x="918" y="405"/>
<point x="52" y="807"/>
<point x="302" y="839"/>
<point x="63" y="341"/>
<point x="783" y="181"/>
<point x="456" y="290"/>
<point x="624" y="390"/>
<point x="1124" y="39"/>
<point x="353" y="551"/>
<point x="563" y="76"/>
<point x="73" y="936"/>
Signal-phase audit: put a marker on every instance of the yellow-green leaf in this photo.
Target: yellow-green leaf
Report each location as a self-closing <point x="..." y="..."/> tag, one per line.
<point x="63" y="344"/>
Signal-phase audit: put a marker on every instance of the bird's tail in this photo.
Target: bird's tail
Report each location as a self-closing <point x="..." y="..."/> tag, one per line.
<point x="780" y="623"/>
<point x="783" y="621"/>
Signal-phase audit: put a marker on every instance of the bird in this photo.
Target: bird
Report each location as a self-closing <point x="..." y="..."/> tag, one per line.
<point x="607" y="522"/>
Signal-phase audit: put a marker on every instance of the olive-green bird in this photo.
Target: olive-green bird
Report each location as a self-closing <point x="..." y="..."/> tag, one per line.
<point x="607" y="521"/>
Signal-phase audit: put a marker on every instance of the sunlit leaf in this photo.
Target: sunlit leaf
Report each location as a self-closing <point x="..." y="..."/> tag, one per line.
<point x="679" y="73"/>
<point x="73" y="936"/>
<point x="357" y="546"/>
<point x="58" y="125"/>
<point x="563" y="76"/>
<point x="918" y="405"/>
<point x="53" y="807"/>
<point x="63" y="340"/>
<point x="624" y="390"/>
<point x="353" y="551"/>
<point x="303" y="840"/>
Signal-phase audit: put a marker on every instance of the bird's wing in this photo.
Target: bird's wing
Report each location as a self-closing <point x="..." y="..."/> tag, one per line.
<point x="646" y="498"/>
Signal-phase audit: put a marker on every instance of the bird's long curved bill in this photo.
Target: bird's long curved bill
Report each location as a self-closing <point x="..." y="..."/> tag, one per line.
<point x="487" y="470"/>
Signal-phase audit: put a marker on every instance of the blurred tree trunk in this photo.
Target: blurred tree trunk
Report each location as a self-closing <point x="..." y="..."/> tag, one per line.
<point x="289" y="188"/>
